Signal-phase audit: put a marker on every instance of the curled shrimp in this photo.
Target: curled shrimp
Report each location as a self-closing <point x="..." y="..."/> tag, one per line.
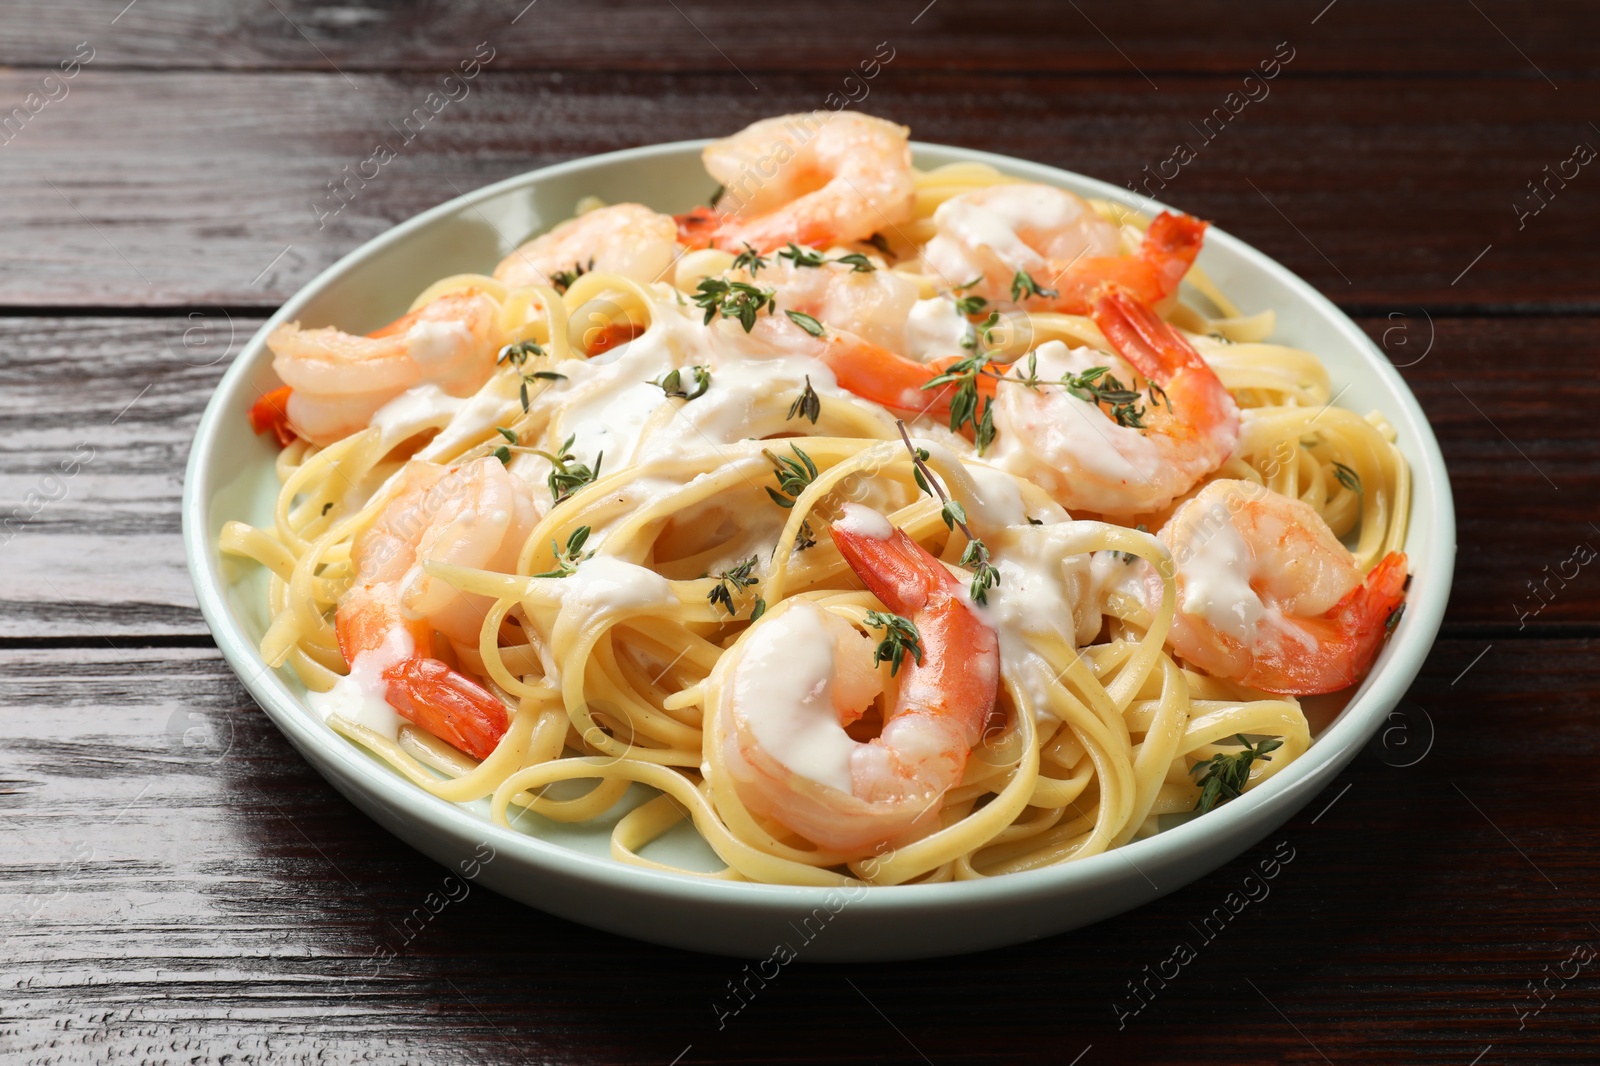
<point x="478" y="515"/>
<point x="993" y="233"/>
<point x="1067" y="431"/>
<point x="804" y="673"/>
<point x="626" y="239"/>
<point x="337" y="381"/>
<point x="1268" y="597"/>
<point x="814" y="180"/>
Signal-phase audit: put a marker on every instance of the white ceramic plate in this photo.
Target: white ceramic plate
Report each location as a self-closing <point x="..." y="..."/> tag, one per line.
<point x="567" y="870"/>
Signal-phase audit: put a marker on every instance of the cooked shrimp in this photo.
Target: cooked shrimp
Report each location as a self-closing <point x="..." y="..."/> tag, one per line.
<point x="1143" y="459"/>
<point x="338" y="381"/>
<point x="859" y="366"/>
<point x="1070" y="252"/>
<point x="804" y="674"/>
<point x="626" y="239"/>
<point x="814" y="181"/>
<point x="1268" y="597"/>
<point x="477" y="516"/>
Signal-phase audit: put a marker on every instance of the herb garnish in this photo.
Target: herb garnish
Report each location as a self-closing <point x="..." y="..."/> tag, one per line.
<point x="808" y="404"/>
<point x="1347" y="477"/>
<point x="734" y="299"/>
<point x="517" y="355"/>
<point x="971" y="305"/>
<point x="749" y="259"/>
<point x="569" y="476"/>
<point x="984" y="574"/>
<point x="794" y="476"/>
<point x="1024" y="285"/>
<point x="568" y="558"/>
<point x="964" y="404"/>
<point x="562" y="280"/>
<point x="1223" y="777"/>
<point x="805" y="257"/>
<point x="880" y="242"/>
<point x="1098" y="385"/>
<point x="733" y="582"/>
<point x="899" y="637"/>
<point x="805" y="322"/>
<point x="671" y="383"/>
<point x="503" y="453"/>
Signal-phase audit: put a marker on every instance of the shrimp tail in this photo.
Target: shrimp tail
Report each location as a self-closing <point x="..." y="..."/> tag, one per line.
<point x="1140" y="336"/>
<point x="896" y="569"/>
<point x="1170" y="247"/>
<point x="958" y="677"/>
<point x="463" y="714"/>
<point x="1348" y="638"/>
<point x="272" y="412"/>
<point x="890" y="379"/>
<point x="1363" y="615"/>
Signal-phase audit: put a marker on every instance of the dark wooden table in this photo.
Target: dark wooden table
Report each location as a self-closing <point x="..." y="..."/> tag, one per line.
<point x="178" y="885"/>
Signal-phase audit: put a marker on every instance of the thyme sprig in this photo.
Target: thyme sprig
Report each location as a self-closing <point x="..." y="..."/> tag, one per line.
<point x="517" y="355"/>
<point x="1347" y="477"/>
<point x="568" y="475"/>
<point x="794" y="477"/>
<point x="750" y="260"/>
<point x="1223" y="777"/>
<point x="731" y="583"/>
<point x="671" y="383"/>
<point x="900" y="637"/>
<point x="1023" y="285"/>
<point x="805" y="257"/>
<point x="568" y="558"/>
<point x="562" y="280"/>
<point x="965" y="403"/>
<point x="806" y="322"/>
<point x="807" y="405"/>
<point x="984" y="574"/>
<point x="734" y="299"/>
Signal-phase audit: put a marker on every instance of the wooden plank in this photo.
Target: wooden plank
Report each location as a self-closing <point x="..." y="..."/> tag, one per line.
<point x="179" y="883"/>
<point x="106" y="560"/>
<point x="1092" y="36"/>
<point x="186" y="189"/>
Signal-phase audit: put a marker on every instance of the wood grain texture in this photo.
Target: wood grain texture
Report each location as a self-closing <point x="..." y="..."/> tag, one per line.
<point x="1099" y="36"/>
<point x="106" y="559"/>
<point x="188" y="189"/>
<point x="178" y="885"/>
<point x="177" y="882"/>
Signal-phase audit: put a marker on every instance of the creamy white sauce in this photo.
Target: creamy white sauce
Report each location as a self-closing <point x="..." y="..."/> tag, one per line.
<point x="475" y="419"/>
<point x="935" y="329"/>
<point x="417" y="409"/>
<point x="359" y="696"/>
<point x="606" y="583"/>
<point x="1216" y="580"/>
<point x="783" y="687"/>
<point x="998" y="501"/>
<point x="864" y="521"/>
<point x="1044" y="577"/>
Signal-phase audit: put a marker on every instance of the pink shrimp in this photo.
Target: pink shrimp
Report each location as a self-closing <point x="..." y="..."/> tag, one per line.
<point x="815" y="181"/>
<point x="477" y="515"/>
<point x="1053" y="236"/>
<point x="1268" y="597"/>
<point x="1062" y="438"/>
<point x="626" y="239"/>
<point x="338" y="380"/>
<point x="804" y="674"/>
